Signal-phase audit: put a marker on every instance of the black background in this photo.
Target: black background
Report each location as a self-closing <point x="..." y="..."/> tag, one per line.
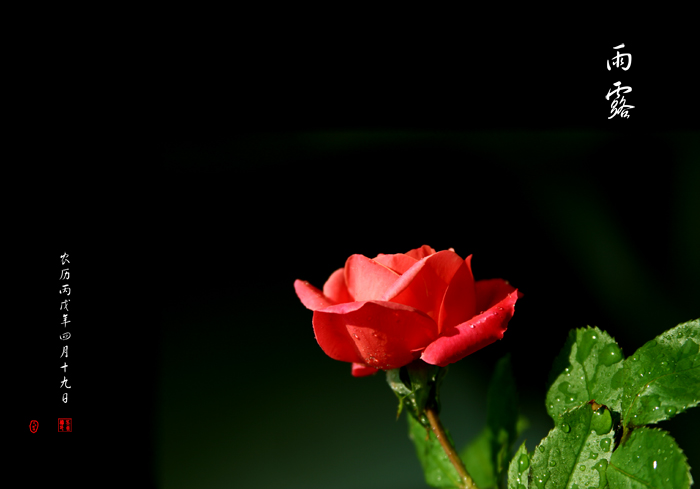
<point x="192" y="183"/>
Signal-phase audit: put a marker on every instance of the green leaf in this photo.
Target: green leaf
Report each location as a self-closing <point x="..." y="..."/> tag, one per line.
<point x="662" y="378"/>
<point x="576" y="451"/>
<point x="438" y="470"/>
<point x="502" y="414"/>
<point x="478" y="458"/>
<point x="393" y="378"/>
<point x="482" y="454"/>
<point x="416" y="385"/>
<point x="583" y="371"/>
<point x="486" y="457"/>
<point x="519" y="469"/>
<point x="649" y="458"/>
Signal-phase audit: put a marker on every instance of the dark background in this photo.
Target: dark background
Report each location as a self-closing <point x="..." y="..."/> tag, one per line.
<point x="196" y="184"/>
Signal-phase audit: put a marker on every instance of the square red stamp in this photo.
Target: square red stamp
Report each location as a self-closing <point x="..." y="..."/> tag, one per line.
<point x="65" y="424"/>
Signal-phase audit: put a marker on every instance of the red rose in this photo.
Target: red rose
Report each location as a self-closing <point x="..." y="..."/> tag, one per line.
<point x="385" y="312"/>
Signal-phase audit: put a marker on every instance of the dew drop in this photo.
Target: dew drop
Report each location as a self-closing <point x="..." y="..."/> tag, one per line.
<point x="601" y="467"/>
<point x="523" y="463"/>
<point x="670" y="410"/>
<point x="581" y="467"/>
<point x="605" y="444"/>
<point x="565" y="428"/>
<point x="610" y="354"/>
<point x="541" y="447"/>
<point x="585" y="345"/>
<point x="552" y="463"/>
<point x="601" y="421"/>
<point x="593" y="455"/>
<point x="355" y="335"/>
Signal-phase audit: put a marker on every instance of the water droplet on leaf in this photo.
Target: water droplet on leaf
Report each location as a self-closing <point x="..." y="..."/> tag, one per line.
<point x="610" y="354"/>
<point x="585" y="345"/>
<point x="565" y="428"/>
<point x="601" y="467"/>
<point x="601" y="421"/>
<point x="523" y="463"/>
<point x="689" y="348"/>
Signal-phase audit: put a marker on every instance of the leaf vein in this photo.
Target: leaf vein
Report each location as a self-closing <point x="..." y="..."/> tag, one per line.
<point x="638" y="393"/>
<point x="610" y="464"/>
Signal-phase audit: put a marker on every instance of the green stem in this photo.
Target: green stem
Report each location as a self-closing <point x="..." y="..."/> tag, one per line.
<point x="452" y="455"/>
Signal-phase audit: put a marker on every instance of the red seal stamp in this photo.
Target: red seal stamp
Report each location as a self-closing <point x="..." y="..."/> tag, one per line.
<point x="65" y="425"/>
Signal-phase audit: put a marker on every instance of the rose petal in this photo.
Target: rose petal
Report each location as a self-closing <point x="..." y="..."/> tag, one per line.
<point x="422" y="252"/>
<point x="459" y="302"/>
<point x="489" y="292"/>
<point x="310" y="296"/>
<point x="462" y="340"/>
<point x="336" y="289"/>
<point x="423" y="285"/>
<point x="360" y="370"/>
<point x="399" y="262"/>
<point x="374" y="333"/>
<point x="366" y="279"/>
